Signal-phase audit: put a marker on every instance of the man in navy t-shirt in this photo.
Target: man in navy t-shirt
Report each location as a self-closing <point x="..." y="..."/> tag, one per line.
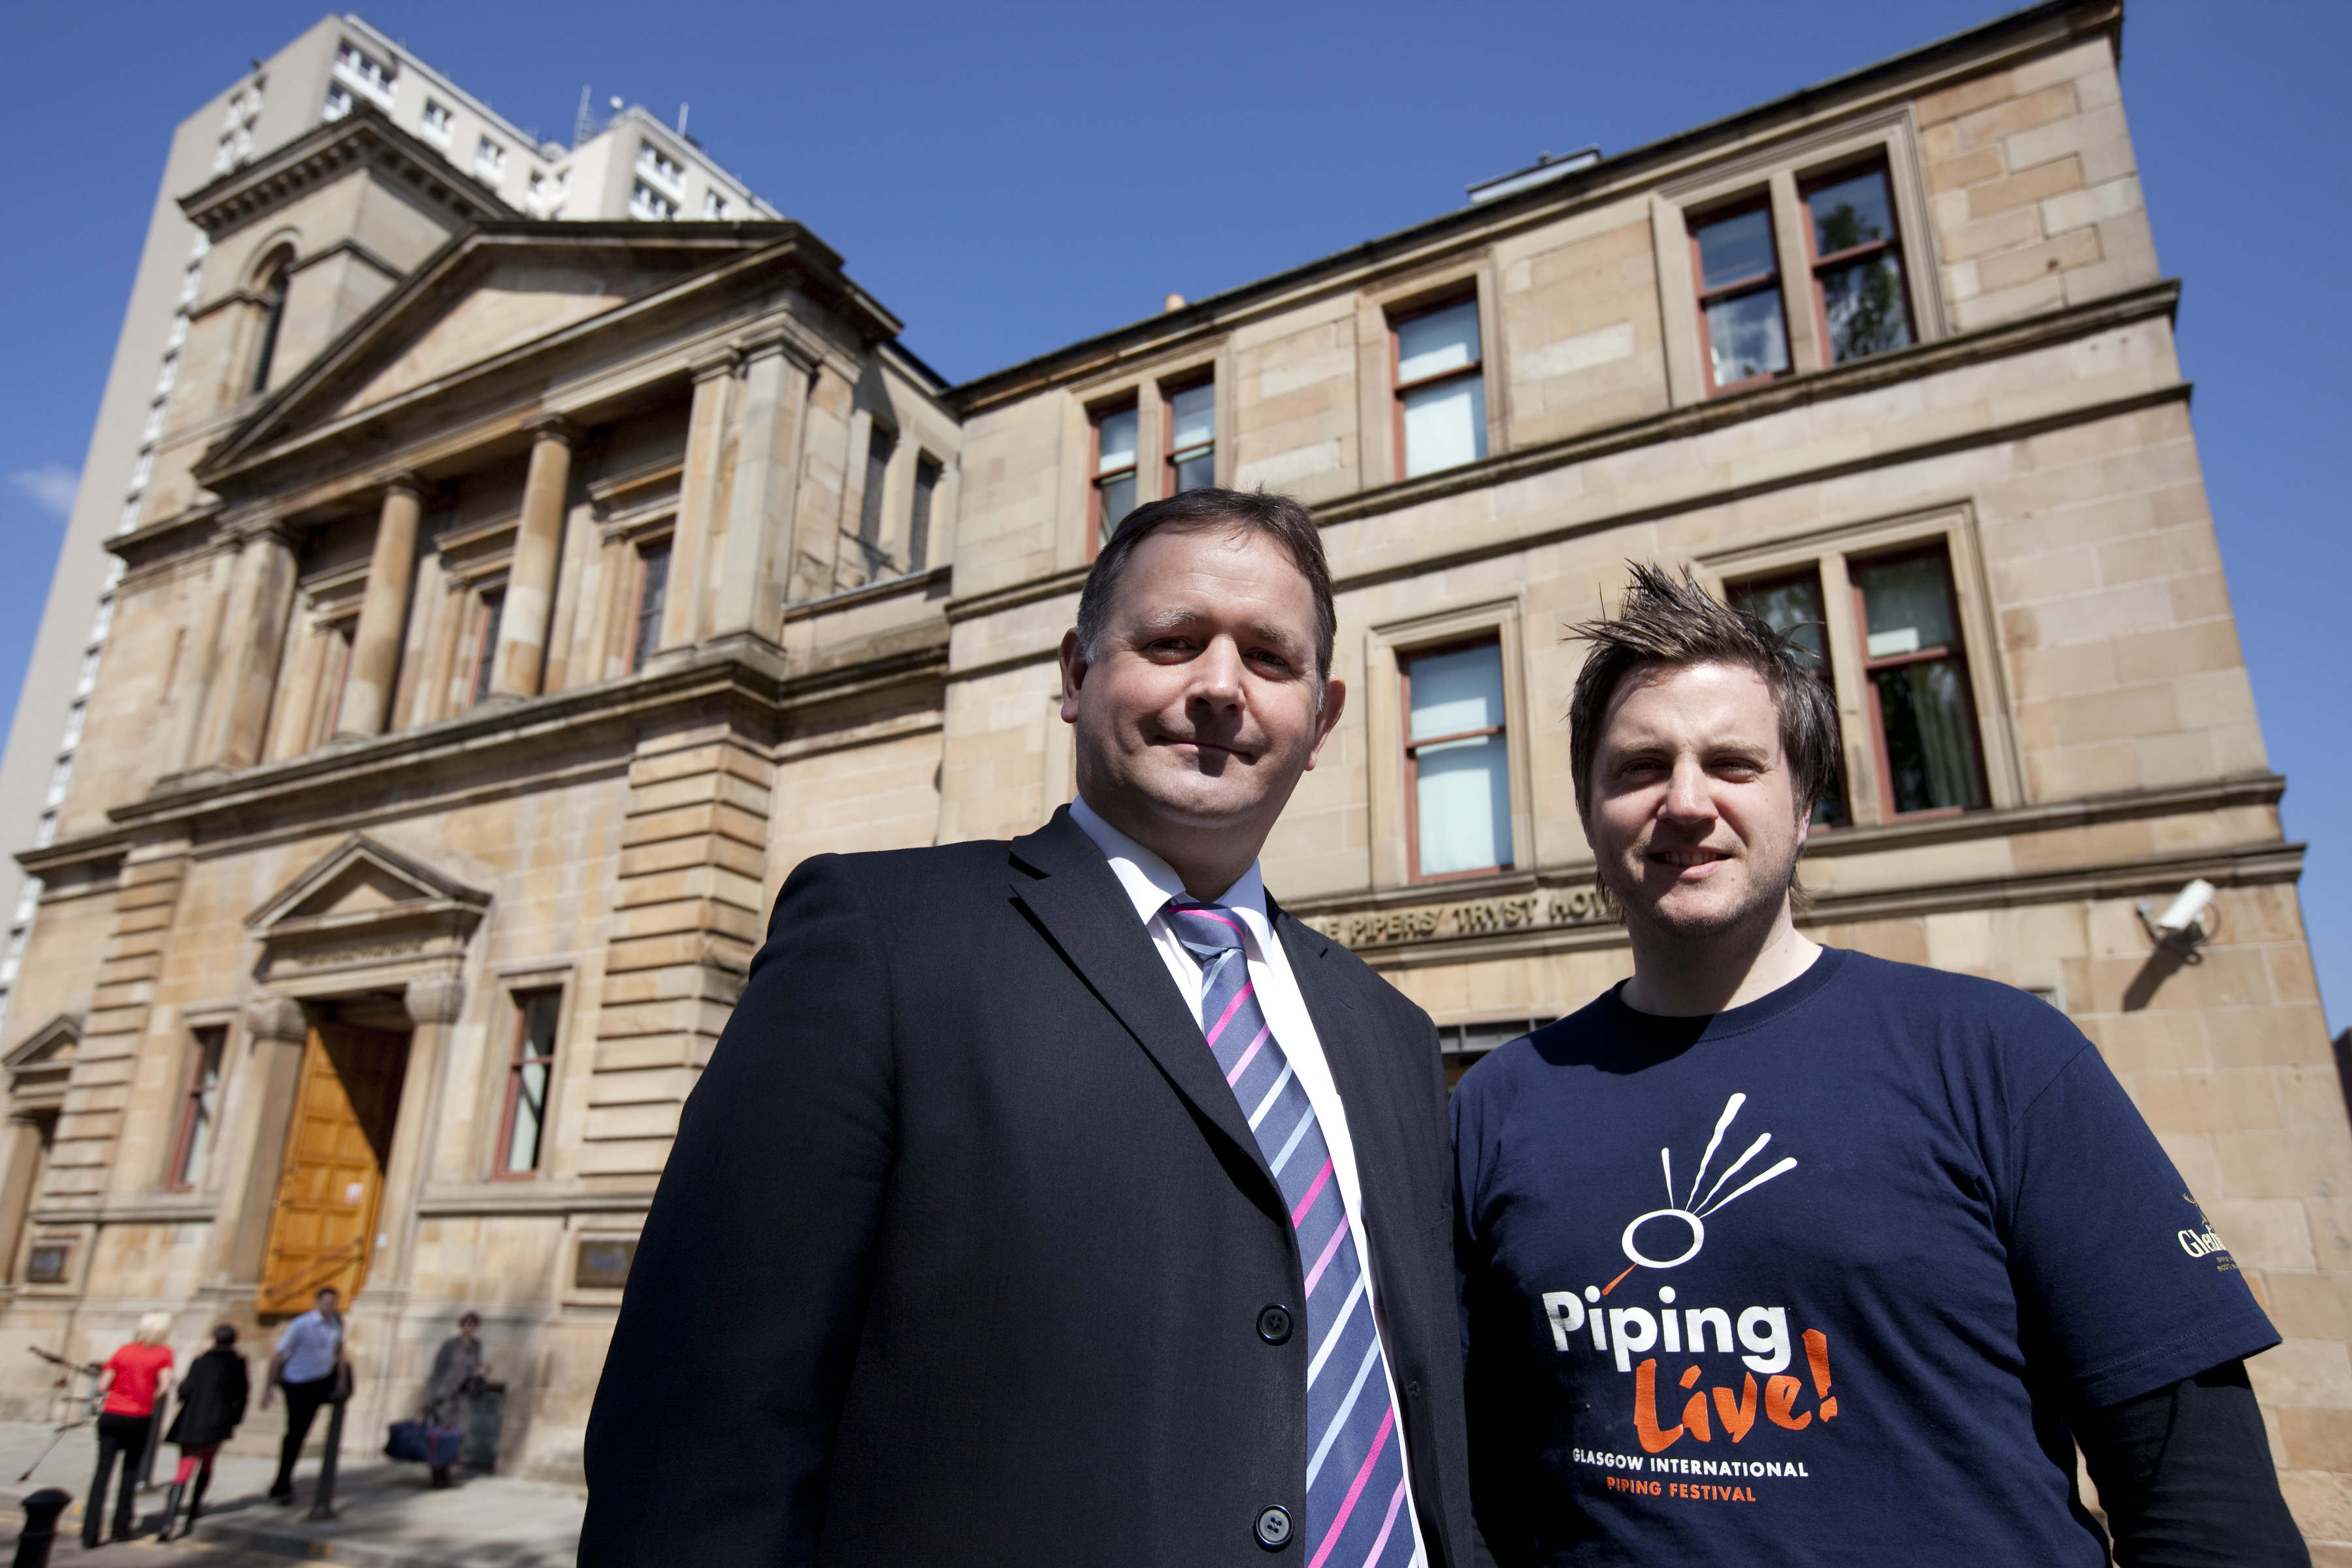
<point x="1778" y="1253"/>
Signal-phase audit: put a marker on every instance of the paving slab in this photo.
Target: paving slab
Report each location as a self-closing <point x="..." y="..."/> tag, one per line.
<point x="387" y="1515"/>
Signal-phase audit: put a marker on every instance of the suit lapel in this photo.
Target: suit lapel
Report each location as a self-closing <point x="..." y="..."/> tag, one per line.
<point x="1077" y="899"/>
<point x="1356" y="1061"/>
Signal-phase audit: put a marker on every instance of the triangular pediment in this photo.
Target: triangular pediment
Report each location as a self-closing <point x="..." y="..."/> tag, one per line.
<point x="51" y="1044"/>
<point x="361" y="881"/>
<point x="499" y="298"/>
<point x="516" y="299"/>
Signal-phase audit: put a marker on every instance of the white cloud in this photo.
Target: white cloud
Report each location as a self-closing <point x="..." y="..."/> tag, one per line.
<point x="51" y="486"/>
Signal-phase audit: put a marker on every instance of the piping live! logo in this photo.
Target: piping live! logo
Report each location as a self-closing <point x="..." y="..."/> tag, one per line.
<point x="1717" y="1418"/>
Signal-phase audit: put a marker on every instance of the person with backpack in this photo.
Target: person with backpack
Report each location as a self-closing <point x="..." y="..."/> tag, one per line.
<point x="211" y="1404"/>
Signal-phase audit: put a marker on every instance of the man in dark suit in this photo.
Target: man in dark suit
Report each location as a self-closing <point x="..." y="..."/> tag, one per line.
<point x="1064" y="1201"/>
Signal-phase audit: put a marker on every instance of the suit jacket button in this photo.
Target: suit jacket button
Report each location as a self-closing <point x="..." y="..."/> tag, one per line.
<point x="1273" y="1325"/>
<point x="1274" y="1527"/>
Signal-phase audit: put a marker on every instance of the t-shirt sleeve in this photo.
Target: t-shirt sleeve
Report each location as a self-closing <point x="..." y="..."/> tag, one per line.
<point x="2118" y="1271"/>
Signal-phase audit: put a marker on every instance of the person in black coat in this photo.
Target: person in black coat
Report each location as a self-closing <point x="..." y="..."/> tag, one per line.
<point x="973" y="1248"/>
<point x="211" y="1404"/>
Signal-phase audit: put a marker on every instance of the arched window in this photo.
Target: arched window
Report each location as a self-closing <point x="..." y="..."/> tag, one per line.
<point x="273" y="298"/>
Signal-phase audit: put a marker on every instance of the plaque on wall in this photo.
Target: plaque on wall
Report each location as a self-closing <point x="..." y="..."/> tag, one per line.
<point x="602" y="1263"/>
<point x="46" y="1264"/>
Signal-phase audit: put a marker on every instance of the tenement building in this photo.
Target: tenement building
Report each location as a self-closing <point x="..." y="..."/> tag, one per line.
<point x="474" y="683"/>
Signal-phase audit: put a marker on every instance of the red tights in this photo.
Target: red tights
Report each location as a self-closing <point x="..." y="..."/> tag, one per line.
<point x="193" y="1460"/>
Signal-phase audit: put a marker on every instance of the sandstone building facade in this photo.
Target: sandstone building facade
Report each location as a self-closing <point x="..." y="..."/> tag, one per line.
<point x="475" y="686"/>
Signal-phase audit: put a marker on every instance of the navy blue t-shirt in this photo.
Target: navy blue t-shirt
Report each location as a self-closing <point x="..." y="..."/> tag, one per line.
<point x="1814" y="1280"/>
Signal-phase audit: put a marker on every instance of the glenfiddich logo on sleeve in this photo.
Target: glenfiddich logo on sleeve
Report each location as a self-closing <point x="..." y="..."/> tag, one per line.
<point x="1663" y="1239"/>
<point x="2199" y="1240"/>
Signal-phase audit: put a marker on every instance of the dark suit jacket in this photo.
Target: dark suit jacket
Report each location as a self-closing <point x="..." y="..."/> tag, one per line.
<point x="960" y="1255"/>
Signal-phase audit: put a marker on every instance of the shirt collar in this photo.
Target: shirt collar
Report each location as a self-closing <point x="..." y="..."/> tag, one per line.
<point x="1149" y="882"/>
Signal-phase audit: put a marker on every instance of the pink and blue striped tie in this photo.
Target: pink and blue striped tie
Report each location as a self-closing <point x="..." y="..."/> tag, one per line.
<point x="1355" y="1462"/>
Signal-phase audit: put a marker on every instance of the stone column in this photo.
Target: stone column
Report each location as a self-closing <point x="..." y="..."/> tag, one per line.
<point x="697" y="499"/>
<point x="253" y="644"/>
<point x="433" y="1003"/>
<point x="383" y="612"/>
<point x="760" y="507"/>
<point x="259" y="1118"/>
<point x="192" y="684"/>
<point x="531" y="580"/>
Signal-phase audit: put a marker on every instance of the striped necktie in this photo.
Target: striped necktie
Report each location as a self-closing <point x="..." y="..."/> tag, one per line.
<point x="1355" y="1460"/>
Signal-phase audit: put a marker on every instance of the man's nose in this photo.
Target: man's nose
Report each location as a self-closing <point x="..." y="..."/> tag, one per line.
<point x="1687" y="796"/>
<point x="1217" y="674"/>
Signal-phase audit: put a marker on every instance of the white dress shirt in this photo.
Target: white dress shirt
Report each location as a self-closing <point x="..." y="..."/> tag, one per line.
<point x="1149" y="882"/>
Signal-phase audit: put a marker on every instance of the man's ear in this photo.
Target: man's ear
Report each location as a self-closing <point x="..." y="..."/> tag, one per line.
<point x="1073" y="659"/>
<point x="1327" y="717"/>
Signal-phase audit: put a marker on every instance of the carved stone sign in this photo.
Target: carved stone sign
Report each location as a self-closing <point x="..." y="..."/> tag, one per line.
<point x="1478" y="917"/>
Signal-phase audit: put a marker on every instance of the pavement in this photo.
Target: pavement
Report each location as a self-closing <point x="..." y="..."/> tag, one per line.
<point x="387" y="1517"/>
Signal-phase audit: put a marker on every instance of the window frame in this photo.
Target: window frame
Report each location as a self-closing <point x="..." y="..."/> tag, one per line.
<point x="1097" y="534"/>
<point x="208" y="1044"/>
<point x="1791" y="573"/>
<point x="1816" y="264"/>
<point x="518" y="1000"/>
<point x="1491" y="637"/>
<point x="489" y="614"/>
<point x="342" y="635"/>
<point x="1398" y="317"/>
<point x="1701" y="297"/>
<point x="1956" y="651"/>
<point x="1832" y="550"/>
<point x="1169" y="391"/>
<point x="641" y="649"/>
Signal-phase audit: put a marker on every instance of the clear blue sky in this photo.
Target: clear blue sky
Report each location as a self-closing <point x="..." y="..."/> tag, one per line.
<point x="1009" y="178"/>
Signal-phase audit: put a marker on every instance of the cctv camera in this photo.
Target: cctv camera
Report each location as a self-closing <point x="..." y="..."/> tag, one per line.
<point x="2186" y="909"/>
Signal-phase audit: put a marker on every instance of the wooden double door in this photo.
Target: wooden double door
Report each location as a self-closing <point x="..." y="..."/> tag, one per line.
<point x="322" y="1229"/>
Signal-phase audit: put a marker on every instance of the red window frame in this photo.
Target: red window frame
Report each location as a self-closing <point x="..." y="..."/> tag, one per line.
<point x="1956" y="651"/>
<point x="1398" y="386"/>
<point x="1405" y="657"/>
<point x="1755" y="283"/>
<point x="1096" y="523"/>
<point x="1817" y="264"/>
<point x="489" y="612"/>
<point x="207" y="1061"/>
<point x="519" y="1055"/>
<point x="1840" y="791"/>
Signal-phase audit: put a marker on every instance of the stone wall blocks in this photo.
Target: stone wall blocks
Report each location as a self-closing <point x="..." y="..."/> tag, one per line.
<point x="609" y="1091"/>
<point x="2300" y="1373"/>
<point x="2317" y="1439"/>
<point x="2266" y="1233"/>
<point x="2078" y="209"/>
<point x="1995" y="306"/>
<point x="606" y="1122"/>
<point x="2077" y="248"/>
<point x="2279" y="1164"/>
<point x="2135" y="1043"/>
<point x="1970" y="97"/>
<point x="618" y="1155"/>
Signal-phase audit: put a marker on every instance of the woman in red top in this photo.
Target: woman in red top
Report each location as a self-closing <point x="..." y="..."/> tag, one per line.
<point x="136" y="1378"/>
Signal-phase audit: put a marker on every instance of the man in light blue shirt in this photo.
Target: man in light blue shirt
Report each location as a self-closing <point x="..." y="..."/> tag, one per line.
<point x="309" y="1362"/>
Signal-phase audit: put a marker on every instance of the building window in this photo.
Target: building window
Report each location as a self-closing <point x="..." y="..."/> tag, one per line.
<point x="1113" y="470"/>
<point x="647" y="203"/>
<point x="652" y="160"/>
<point x="489" y="159"/>
<point x="1456" y="761"/>
<point x="1791" y="603"/>
<point x="437" y="120"/>
<point x="1858" y="262"/>
<point x="879" y="445"/>
<point x="370" y="74"/>
<point x="1441" y="389"/>
<point x="653" y="593"/>
<point x="338" y="102"/>
<point x="1192" y="438"/>
<point x="714" y="205"/>
<point x="199" y="1105"/>
<point x="919" y="527"/>
<point x="335" y="670"/>
<point x="1922" y="714"/>
<point x="273" y="315"/>
<point x="531" y="1065"/>
<point x="1742" y="328"/>
<point x="486" y="642"/>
